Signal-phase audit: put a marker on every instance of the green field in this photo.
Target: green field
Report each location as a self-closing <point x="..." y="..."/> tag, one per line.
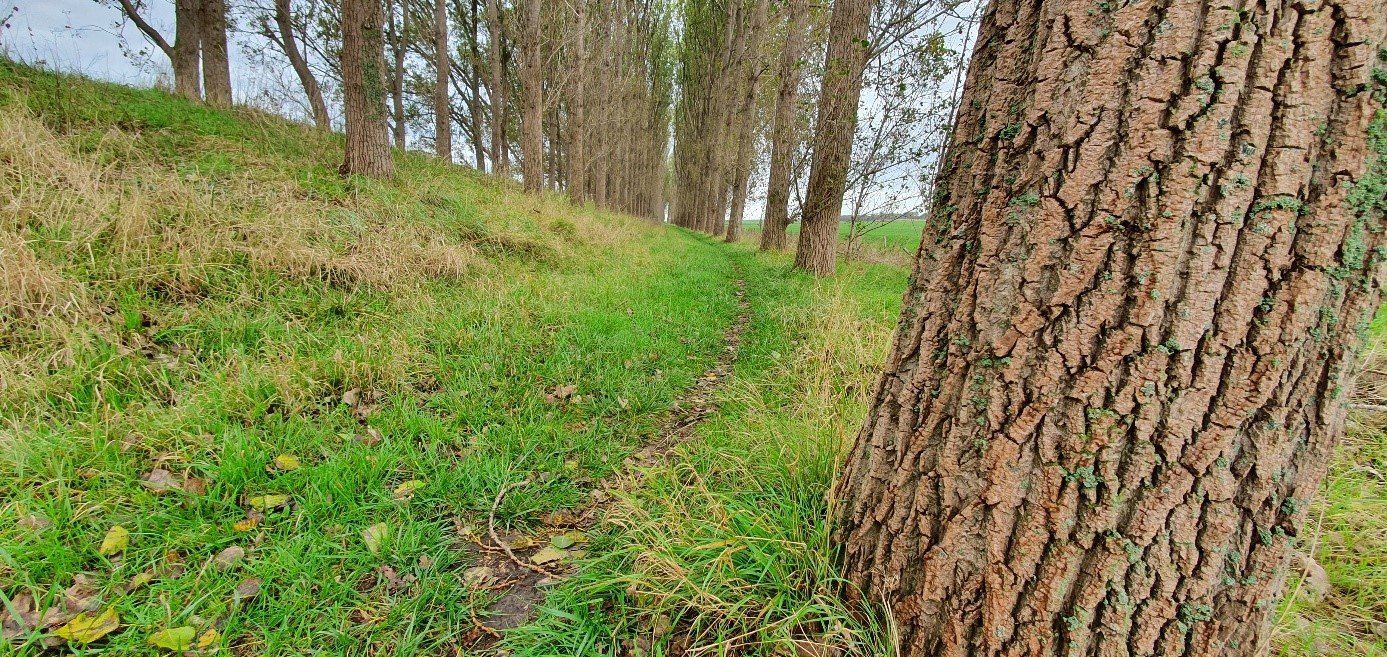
<point x="903" y="234"/>
<point x="246" y="400"/>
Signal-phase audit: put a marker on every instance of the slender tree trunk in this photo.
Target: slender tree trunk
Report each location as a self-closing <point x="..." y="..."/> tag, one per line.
<point x="531" y="97"/>
<point x="186" y="55"/>
<point x="397" y="72"/>
<point x="577" y="158"/>
<point x="442" y="104"/>
<point x="216" y="66"/>
<point x="183" y="53"/>
<point x="842" y="86"/>
<point x="1130" y="333"/>
<point x="288" y="42"/>
<point x="474" y="102"/>
<point x="363" y="90"/>
<point x="785" y="129"/>
<point x="496" y="89"/>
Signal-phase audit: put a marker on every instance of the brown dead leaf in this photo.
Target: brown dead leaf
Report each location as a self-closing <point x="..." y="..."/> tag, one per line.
<point x="160" y="481"/>
<point x="560" y="393"/>
<point x="352" y="397"/>
<point x="371" y="437"/>
<point x="228" y="558"/>
<point x="34" y="522"/>
<point x="247" y="589"/>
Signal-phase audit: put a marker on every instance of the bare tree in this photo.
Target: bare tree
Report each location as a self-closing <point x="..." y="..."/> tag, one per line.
<point x="282" y="32"/>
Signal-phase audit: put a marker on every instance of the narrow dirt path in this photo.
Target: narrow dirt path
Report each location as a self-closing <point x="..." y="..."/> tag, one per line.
<point x="519" y="565"/>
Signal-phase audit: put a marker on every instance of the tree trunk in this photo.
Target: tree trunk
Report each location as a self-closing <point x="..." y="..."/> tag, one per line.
<point x="442" y="105"/>
<point x="1123" y="359"/>
<point x="474" y="101"/>
<point x="186" y="54"/>
<point x="216" y="66"/>
<point x="363" y="90"/>
<point x="785" y="129"/>
<point x="531" y="98"/>
<point x="288" y="42"/>
<point x="496" y="89"/>
<point x="397" y="72"/>
<point x="848" y="49"/>
<point x="577" y="158"/>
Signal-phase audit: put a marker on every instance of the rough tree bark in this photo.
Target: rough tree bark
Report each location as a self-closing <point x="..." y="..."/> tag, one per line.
<point x="442" y="105"/>
<point x="577" y="158"/>
<point x="746" y="122"/>
<point x="216" y="66"/>
<point x="846" y="57"/>
<point x="363" y="90"/>
<point x="1124" y="355"/>
<point x="288" y="42"/>
<point x="784" y="129"/>
<point x="184" y="53"/>
<point x="496" y="89"/>
<point x="531" y="97"/>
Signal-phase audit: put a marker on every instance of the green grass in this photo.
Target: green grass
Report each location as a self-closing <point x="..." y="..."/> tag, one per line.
<point x="197" y="291"/>
<point x="210" y="365"/>
<point x="902" y="234"/>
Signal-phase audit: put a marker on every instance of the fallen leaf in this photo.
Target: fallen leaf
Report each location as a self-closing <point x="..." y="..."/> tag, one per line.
<point x="560" y="393"/>
<point x="229" y="557"/>
<point x="195" y="485"/>
<point x="547" y="555"/>
<point x="85" y="628"/>
<point x="160" y="481"/>
<point x="622" y="401"/>
<point x="34" y="522"/>
<point x="248" y="524"/>
<point x="116" y="540"/>
<point x="559" y="518"/>
<point x="139" y="581"/>
<point x="371" y="437"/>
<point x="478" y="576"/>
<point x="405" y="491"/>
<point x="374" y="536"/>
<point x="83" y="595"/>
<point x="425" y="562"/>
<point x="352" y="397"/>
<point x="175" y="638"/>
<point x="268" y="502"/>
<point x="520" y="542"/>
<point x="561" y="542"/>
<point x="247" y="589"/>
<point x="287" y="462"/>
<point x="576" y="536"/>
<point x="208" y="638"/>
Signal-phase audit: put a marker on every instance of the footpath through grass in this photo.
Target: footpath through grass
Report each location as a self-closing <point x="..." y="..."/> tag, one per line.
<point x="247" y="403"/>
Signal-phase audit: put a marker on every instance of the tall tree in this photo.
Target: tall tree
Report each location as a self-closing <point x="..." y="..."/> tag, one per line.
<point x="784" y="128"/>
<point x="396" y="31"/>
<point x="282" y="33"/>
<point x="745" y="121"/>
<point x="442" y="106"/>
<point x="216" y="63"/>
<point x="531" y="96"/>
<point x="496" y="89"/>
<point x="363" y="89"/>
<point x="1126" y="349"/>
<point x="848" y="50"/>
<point x="577" y="157"/>
<point x="185" y="52"/>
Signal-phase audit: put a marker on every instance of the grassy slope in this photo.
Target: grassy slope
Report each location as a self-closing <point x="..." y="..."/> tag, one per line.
<point x="195" y="290"/>
<point x="201" y="300"/>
